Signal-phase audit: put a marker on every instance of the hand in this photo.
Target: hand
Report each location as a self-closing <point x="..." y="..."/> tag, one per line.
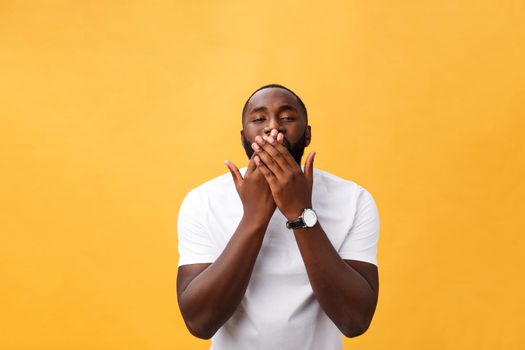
<point x="291" y="188"/>
<point x="255" y="194"/>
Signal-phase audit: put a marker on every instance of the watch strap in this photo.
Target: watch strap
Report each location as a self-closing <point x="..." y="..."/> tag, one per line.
<point x="296" y="223"/>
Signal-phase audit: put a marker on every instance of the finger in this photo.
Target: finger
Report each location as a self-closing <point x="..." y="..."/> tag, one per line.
<point x="280" y="138"/>
<point x="251" y="166"/>
<point x="269" y="155"/>
<point x="268" y="175"/>
<point x="270" y="146"/>
<point x="309" y="167"/>
<point x="236" y="174"/>
<point x="279" y="146"/>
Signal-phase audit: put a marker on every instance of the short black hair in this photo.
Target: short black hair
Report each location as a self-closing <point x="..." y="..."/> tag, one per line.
<point x="269" y="86"/>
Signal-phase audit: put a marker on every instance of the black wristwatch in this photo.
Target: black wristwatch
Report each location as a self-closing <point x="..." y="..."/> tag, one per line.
<point x="307" y="219"/>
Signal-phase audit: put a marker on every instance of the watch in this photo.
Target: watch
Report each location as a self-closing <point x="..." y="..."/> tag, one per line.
<point x="307" y="219"/>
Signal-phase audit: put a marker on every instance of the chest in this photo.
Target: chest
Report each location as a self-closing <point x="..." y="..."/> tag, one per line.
<point x="279" y="254"/>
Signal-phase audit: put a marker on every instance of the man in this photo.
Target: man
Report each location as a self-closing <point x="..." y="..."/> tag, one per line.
<point x="273" y="256"/>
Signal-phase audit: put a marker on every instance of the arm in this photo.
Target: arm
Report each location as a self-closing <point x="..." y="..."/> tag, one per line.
<point x="347" y="291"/>
<point x="208" y="294"/>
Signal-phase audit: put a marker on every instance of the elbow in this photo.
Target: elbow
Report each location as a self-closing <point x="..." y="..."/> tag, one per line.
<point x="200" y="325"/>
<point x="200" y="331"/>
<point x="357" y="323"/>
<point x="354" y="330"/>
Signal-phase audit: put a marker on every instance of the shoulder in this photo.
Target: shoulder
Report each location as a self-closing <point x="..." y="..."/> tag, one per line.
<point x="217" y="186"/>
<point x="331" y="182"/>
<point x="330" y="188"/>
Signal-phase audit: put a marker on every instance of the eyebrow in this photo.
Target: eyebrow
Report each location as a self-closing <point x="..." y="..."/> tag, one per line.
<point x="281" y="108"/>
<point x="258" y="109"/>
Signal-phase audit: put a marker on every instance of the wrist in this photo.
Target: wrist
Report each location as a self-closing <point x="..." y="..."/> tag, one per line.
<point x="297" y="211"/>
<point x="307" y="219"/>
<point x="257" y="220"/>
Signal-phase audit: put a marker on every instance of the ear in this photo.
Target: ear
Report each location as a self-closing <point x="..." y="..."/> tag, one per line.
<point x="308" y="133"/>
<point x="242" y="137"/>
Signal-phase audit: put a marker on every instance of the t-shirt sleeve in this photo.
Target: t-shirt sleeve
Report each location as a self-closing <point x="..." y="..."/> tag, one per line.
<point x="361" y="241"/>
<point x="195" y="244"/>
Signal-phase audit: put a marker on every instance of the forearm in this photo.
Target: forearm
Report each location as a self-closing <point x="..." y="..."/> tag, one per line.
<point x="343" y="293"/>
<point x="211" y="298"/>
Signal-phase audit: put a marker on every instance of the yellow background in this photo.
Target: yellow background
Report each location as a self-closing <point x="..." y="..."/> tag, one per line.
<point x="112" y="110"/>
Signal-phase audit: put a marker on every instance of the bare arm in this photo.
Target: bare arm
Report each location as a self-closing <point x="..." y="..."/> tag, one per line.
<point x="208" y="294"/>
<point x="346" y="290"/>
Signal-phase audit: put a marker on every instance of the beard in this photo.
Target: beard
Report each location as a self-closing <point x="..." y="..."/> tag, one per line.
<point x="296" y="149"/>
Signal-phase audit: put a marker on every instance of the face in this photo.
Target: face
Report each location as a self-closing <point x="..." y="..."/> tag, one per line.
<point x="276" y="108"/>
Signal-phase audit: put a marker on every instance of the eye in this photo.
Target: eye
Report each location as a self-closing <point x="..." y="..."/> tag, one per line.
<point x="258" y="119"/>
<point x="287" y="118"/>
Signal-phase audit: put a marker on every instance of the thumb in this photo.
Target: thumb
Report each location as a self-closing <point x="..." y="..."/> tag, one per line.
<point x="251" y="166"/>
<point x="236" y="174"/>
<point x="309" y="168"/>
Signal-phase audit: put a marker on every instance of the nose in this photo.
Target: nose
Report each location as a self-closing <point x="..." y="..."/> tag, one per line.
<point x="274" y="123"/>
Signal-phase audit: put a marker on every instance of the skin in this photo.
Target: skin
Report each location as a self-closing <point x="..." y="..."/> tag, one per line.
<point x="208" y="294"/>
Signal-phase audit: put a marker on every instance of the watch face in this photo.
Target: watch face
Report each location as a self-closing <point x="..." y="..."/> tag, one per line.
<point x="309" y="217"/>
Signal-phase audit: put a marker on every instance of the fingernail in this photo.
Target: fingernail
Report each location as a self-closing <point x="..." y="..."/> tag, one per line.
<point x="255" y="146"/>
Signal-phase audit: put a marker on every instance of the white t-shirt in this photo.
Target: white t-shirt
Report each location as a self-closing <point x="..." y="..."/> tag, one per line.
<point x="279" y="310"/>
